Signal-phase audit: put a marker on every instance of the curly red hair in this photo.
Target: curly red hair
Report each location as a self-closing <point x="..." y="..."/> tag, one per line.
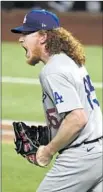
<point x="61" y="40"/>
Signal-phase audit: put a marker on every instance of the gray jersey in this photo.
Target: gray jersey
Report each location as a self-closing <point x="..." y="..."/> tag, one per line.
<point x="66" y="87"/>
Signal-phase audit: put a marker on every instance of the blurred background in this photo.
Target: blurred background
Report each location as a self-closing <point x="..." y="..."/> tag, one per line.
<point x="82" y="18"/>
<point x="21" y="91"/>
<point x="61" y="6"/>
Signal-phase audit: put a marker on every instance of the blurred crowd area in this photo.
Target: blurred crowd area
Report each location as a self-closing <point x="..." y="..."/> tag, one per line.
<point x="60" y="6"/>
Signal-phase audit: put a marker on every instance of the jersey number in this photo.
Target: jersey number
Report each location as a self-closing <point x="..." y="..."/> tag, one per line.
<point x="52" y="119"/>
<point x="89" y="88"/>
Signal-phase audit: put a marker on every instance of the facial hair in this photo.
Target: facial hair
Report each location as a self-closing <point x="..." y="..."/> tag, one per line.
<point x="33" y="62"/>
<point x="35" y="59"/>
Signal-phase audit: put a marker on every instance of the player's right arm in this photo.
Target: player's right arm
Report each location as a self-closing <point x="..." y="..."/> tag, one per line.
<point x="68" y="130"/>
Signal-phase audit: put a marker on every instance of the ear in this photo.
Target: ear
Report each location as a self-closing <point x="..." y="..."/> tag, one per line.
<point x="43" y="38"/>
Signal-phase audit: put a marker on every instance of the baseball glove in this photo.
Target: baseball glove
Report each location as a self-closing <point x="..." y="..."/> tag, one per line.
<point x="29" y="138"/>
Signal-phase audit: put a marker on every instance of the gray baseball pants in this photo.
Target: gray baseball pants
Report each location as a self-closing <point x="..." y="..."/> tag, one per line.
<point x="76" y="170"/>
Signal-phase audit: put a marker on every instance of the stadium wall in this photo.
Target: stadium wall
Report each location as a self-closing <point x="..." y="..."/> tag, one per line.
<point x="87" y="27"/>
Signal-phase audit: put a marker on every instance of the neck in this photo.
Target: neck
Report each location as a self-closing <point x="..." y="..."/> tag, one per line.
<point x="45" y="56"/>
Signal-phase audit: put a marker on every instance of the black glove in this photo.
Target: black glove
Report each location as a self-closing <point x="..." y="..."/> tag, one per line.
<point x="28" y="139"/>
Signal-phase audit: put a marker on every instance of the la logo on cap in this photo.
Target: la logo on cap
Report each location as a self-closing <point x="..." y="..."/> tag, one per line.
<point x="43" y="25"/>
<point x="24" y="21"/>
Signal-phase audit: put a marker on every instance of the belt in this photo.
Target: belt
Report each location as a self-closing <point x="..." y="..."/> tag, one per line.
<point x="77" y="145"/>
<point x="93" y="141"/>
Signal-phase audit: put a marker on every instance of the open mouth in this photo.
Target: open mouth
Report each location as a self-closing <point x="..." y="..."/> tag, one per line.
<point x="25" y="49"/>
<point x="27" y="52"/>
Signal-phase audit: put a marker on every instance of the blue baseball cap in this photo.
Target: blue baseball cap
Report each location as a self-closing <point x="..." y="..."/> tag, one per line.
<point x="37" y="20"/>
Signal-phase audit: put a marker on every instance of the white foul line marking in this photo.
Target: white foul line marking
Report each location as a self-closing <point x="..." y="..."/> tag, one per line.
<point x="9" y="122"/>
<point x="31" y="81"/>
<point x="20" y="80"/>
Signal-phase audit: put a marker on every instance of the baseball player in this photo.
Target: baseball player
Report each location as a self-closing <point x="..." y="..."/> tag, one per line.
<point x="71" y="107"/>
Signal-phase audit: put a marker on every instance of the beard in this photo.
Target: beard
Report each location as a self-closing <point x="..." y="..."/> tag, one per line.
<point x="34" y="59"/>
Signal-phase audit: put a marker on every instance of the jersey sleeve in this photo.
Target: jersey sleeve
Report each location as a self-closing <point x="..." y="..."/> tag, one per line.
<point x="63" y="93"/>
